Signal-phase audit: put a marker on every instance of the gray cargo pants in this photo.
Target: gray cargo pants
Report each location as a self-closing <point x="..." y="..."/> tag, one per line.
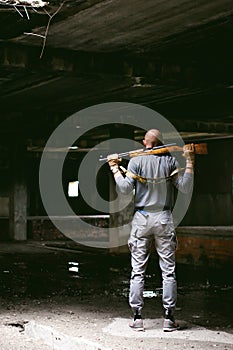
<point x="145" y="225"/>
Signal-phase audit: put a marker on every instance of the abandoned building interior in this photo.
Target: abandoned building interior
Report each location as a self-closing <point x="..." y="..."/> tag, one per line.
<point x="180" y="68"/>
<point x="173" y="57"/>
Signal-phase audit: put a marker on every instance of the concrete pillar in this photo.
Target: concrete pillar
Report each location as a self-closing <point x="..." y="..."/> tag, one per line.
<point x="117" y="218"/>
<point x="113" y="221"/>
<point x="18" y="193"/>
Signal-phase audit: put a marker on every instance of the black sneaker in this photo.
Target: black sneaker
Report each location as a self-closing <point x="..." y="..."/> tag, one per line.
<point x="170" y="326"/>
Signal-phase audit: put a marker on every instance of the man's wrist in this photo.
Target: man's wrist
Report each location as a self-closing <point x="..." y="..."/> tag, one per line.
<point x="114" y="169"/>
<point x="189" y="167"/>
<point x="189" y="164"/>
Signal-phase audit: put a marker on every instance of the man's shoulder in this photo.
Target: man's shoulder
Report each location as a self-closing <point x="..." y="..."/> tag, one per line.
<point x="164" y="161"/>
<point x="165" y="157"/>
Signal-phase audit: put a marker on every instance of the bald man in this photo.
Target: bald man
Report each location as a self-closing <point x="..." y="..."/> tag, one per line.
<point x="153" y="218"/>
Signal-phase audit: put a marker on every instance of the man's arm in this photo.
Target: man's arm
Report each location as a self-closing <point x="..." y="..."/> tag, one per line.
<point x="189" y="155"/>
<point x="184" y="182"/>
<point x="124" y="184"/>
<point x="113" y="162"/>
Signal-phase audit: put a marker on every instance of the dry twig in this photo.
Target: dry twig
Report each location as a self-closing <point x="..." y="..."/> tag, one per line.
<point x="48" y="25"/>
<point x="33" y="4"/>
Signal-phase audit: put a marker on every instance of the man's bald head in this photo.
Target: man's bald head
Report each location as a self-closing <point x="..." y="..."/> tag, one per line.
<point x="153" y="138"/>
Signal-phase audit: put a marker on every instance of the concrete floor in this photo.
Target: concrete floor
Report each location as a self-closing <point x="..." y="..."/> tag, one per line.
<point x="48" y="303"/>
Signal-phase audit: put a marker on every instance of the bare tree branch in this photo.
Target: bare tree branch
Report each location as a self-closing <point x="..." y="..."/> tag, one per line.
<point x="48" y="25"/>
<point x="33" y="4"/>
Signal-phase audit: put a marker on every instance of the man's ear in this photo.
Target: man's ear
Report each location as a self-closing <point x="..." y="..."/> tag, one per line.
<point x="144" y="142"/>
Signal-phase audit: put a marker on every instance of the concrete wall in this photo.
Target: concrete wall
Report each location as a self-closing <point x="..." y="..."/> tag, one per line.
<point x="212" y="200"/>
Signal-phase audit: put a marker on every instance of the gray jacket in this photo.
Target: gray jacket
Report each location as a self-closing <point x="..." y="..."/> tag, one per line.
<point x="154" y="196"/>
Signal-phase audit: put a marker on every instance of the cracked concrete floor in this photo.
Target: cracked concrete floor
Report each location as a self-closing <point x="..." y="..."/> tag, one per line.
<point x="45" y="304"/>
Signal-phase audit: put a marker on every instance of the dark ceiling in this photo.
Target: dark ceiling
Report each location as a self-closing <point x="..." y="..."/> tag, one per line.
<point x="173" y="56"/>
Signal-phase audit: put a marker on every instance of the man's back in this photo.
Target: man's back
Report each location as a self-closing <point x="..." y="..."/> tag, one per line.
<point x="158" y="191"/>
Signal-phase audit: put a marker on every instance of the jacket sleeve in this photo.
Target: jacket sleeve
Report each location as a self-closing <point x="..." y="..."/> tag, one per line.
<point x="125" y="185"/>
<point x="183" y="182"/>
